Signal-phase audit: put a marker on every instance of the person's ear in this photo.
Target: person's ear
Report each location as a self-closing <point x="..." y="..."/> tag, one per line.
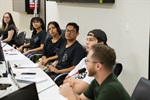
<point x="77" y="33"/>
<point x="101" y="42"/>
<point x="99" y="66"/>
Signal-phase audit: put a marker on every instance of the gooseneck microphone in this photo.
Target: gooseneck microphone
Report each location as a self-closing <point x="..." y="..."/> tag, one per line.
<point x="78" y="72"/>
<point x="81" y="71"/>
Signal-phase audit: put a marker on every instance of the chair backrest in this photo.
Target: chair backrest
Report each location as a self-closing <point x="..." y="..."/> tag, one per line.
<point x="117" y="69"/>
<point x="20" y="39"/>
<point x="142" y="90"/>
<point x="60" y="78"/>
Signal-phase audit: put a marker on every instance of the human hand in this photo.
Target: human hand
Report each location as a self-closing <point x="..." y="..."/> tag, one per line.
<point x="54" y="69"/>
<point x="44" y="61"/>
<point x="20" y="48"/>
<point x="70" y="80"/>
<point x="67" y="91"/>
<point x="25" y="53"/>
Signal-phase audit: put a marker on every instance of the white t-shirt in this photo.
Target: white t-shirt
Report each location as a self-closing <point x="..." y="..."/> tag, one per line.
<point x="84" y="76"/>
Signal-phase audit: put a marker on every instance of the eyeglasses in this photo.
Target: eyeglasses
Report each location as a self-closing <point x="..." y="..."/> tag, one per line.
<point x="86" y="61"/>
<point x="70" y="31"/>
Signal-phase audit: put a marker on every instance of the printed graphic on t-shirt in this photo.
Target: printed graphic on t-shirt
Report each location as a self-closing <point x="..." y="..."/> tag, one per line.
<point x="81" y="76"/>
<point x="57" y="51"/>
<point x="36" y="39"/>
<point x="65" y="57"/>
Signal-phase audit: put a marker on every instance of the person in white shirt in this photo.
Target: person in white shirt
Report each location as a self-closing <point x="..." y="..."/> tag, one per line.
<point x="80" y="82"/>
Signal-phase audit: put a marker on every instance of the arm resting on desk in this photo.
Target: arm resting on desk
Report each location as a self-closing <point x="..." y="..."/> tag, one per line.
<point x="46" y="60"/>
<point x="78" y="85"/>
<point x="70" y="95"/>
<point x="23" y="46"/>
<point x="55" y="70"/>
<point x="10" y="36"/>
<point x="36" y="49"/>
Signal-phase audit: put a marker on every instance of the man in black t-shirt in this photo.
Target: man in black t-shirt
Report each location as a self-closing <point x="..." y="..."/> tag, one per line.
<point x="70" y="54"/>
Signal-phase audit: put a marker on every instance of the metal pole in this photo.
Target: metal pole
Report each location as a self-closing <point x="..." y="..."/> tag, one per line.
<point x="149" y="58"/>
<point x="35" y="8"/>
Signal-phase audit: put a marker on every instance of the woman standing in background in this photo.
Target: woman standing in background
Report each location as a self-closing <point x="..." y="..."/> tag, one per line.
<point x="9" y="30"/>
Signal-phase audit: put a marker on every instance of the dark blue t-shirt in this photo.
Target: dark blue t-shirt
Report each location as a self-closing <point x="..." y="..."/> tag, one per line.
<point x="37" y="39"/>
<point x="70" y="56"/>
<point x="51" y="49"/>
<point x="5" y="34"/>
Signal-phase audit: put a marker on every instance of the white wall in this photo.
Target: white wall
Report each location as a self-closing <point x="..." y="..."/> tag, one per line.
<point x="22" y="21"/>
<point x="126" y="23"/>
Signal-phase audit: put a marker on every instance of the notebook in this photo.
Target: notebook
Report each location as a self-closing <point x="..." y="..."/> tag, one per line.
<point x="31" y="78"/>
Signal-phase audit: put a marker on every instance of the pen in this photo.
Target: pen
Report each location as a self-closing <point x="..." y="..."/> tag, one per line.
<point x="13" y="54"/>
<point x="4" y="45"/>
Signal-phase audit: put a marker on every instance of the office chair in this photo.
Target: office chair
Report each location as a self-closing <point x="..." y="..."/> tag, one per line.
<point x="60" y="78"/>
<point x="117" y="69"/>
<point x="20" y="39"/>
<point x="1" y="32"/>
<point x="142" y="90"/>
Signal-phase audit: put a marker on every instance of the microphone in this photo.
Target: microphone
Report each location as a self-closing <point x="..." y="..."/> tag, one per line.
<point x="81" y="71"/>
<point x="78" y="72"/>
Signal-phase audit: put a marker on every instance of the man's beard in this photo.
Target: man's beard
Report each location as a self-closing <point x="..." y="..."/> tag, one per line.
<point x="91" y="71"/>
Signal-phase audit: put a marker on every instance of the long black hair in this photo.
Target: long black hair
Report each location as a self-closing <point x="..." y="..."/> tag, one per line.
<point x="11" y="21"/>
<point x="37" y="19"/>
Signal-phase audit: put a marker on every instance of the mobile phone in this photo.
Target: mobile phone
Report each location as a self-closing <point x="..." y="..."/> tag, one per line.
<point x="28" y="73"/>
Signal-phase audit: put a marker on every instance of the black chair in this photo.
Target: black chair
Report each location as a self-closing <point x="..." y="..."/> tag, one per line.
<point x="60" y="78"/>
<point x="117" y="69"/>
<point x="142" y="90"/>
<point x="20" y="39"/>
<point x="1" y="32"/>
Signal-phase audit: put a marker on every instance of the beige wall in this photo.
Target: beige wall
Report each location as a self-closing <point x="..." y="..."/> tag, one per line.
<point x="126" y="23"/>
<point x="22" y="21"/>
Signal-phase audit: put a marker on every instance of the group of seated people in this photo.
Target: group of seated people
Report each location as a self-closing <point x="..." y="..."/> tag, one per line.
<point x="67" y="55"/>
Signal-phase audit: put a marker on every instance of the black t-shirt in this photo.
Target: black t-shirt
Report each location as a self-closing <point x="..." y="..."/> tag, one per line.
<point x="5" y="34"/>
<point x="51" y="49"/>
<point x="37" y="39"/>
<point x="70" y="56"/>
